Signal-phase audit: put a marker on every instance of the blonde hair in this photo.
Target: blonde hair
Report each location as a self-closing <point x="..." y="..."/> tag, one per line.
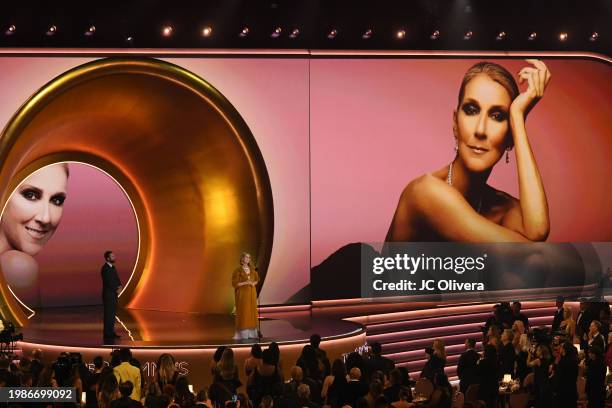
<point x="226" y="365"/>
<point x="166" y="368"/>
<point x="439" y="349"/>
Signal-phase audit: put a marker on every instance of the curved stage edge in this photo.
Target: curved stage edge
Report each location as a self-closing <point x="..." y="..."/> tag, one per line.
<point x="191" y="338"/>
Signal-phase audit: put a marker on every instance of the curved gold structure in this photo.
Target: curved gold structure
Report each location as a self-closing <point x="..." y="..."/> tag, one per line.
<point x="184" y="156"/>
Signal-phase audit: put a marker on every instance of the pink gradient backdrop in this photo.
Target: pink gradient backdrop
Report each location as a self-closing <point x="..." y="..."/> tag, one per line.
<point x="97" y="217"/>
<point x="377" y="124"/>
<point x="272" y="97"/>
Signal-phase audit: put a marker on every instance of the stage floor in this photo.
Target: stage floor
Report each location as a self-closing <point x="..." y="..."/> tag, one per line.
<point x="82" y="327"/>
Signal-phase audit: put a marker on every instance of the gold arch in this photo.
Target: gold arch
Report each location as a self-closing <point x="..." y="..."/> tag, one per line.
<point x="182" y="153"/>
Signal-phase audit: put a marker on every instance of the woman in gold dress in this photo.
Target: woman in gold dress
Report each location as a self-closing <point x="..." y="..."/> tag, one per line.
<point x="244" y="281"/>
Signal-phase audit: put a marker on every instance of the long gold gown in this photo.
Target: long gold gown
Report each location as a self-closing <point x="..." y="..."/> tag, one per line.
<point x="246" y="299"/>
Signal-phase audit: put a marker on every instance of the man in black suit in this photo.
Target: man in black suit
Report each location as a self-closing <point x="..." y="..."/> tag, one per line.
<point x="467" y="365"/>
<point x="583" y="321"/>
<point x="558" y="314"/>
<point x="517" y="315"/>
<point x="595" y="337"/>
<point x="111" y="287"/>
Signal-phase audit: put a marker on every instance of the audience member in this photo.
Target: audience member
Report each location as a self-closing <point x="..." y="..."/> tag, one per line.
<point x="127" y="372"/>
<point x="488" y="374"/>
<point x="540" y="362"/>
<point x="377" y="362"/>
<point x="335" y="386"/>
<point x="507" y="354"/>
<point x="442" y="396"/>
<point x="405" y="399"/>
<point x="125" y="400"/>
<point x="595" y="338"/>
<point x="315" y="341"/>
<point x="166" y="372"/>
<point x="395" y="385"/>
<point x="356" y="387"/>
<point x="182" y="395"/>
<point x="559" y="314"/>
<point x="521" y="351"/>
<point x="467" y="365"/>
<point x="565" y="376"/>
<point x="265" y="380"/>
<point x="304" y="401"/>
<point x="517" y="315"/>
<point x="436" y="360"/>
<point x="595" y="378"/>
<point x="583" y="321"/>
<point x="254" y="360"/>
<point x="202" y="399"/>
<point x="226" y="372"/>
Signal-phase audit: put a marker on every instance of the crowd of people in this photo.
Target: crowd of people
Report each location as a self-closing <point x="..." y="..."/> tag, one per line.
<point x="548" y="365"/>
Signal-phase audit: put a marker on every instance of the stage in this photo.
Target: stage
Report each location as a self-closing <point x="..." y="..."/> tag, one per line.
<point x="191" y="338"/>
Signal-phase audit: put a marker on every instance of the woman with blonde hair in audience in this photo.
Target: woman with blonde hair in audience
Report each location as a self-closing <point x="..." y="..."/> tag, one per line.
<point x="226" y="372"/>
<point x="568" y="324"/>
<point x="522" y="353"/>
<point x="166" y="372"/>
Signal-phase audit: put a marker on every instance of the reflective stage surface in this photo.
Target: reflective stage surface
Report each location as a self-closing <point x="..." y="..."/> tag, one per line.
<point x="82" y="327"/>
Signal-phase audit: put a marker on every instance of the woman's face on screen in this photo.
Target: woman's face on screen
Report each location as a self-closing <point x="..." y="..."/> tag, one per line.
<point x="481" y="123"/>
<point x="35" y="209"/>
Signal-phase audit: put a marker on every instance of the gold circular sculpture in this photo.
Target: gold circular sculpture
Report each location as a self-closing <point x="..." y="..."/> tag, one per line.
<point x="184" y="156"/>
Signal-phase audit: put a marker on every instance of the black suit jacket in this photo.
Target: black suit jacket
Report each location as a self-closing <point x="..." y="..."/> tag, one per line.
<point x="466" y="368"/>
<point x="599" y="341"/>
<point x="110" y="279"/>
<point x="557" y="320"/>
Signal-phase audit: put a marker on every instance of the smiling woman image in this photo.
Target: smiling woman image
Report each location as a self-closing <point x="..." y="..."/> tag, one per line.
<point x="455" y="203"/>
<point x="29" y="220"/>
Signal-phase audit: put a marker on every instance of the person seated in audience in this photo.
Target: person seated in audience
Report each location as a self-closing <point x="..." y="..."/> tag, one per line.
<point x="107" y="392"/>
<point x="182" y="395"/>
<point x="540" y="362"/>
<point x="595" y="374"/>
<point x="303" y="393"/>
<point x="405" y="398"/>
<point x="266" y="402"/>
<point x="395" y="384"/>
<point x="381" y="402"/>
<point x="595" y="338"/>
<point x="9" y="377"/>
<point x="125" y="401"/>
<point x="265" y="380"/>
<point x="521" y="351"/>
<point x="202" y="399"/>
<point x="467" y="365"/>
<point x="507" y="354"/>
<point x="291" y="386"/>
<point x="442" y="395"/>
<point x="436" y="360"/>
<point x="254" y="360"/>
<point x="315" y="341"/>
<point x="375" y="390"/>
<point x="559" y="314"/>
<point x="335" y="386"/>
<point x="355" y="359"/>
<point x="226" y="372"/>
<point x="356" y="388"/>
<point x="488" y="373"/>
<point x="517" y="315"/>
<point x="564" y="377"/>
<point x="377" y="362"/>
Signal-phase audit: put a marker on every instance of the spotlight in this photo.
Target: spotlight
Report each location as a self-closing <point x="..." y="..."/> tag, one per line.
<point x="332" y="34"/>
<point x="207" y="31"/>
<point x="276" y="33"/>
<point x="244" y="32"/>
<point x="400" y="34"/>
<point x="11" y="30"/>
<point x="367" y="34"/>
<point x="563" y="36"/>
<point x="501" y="36"/>
<point x="435" y="35"/>
<point x="51" y="31"/>
<point x="167" y="31"/>
<point x="594" y="36"/>
<point x="468" y="35"/>
<point x="294" y="33"/>
<point x="90" y="31"/>
<point x="532" y="36"/>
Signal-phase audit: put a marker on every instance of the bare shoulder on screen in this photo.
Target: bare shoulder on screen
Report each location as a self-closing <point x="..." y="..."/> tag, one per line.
<point x="424" y="188"/>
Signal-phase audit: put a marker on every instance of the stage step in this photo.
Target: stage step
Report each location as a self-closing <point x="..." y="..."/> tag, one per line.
<point x="406" y="331"/>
